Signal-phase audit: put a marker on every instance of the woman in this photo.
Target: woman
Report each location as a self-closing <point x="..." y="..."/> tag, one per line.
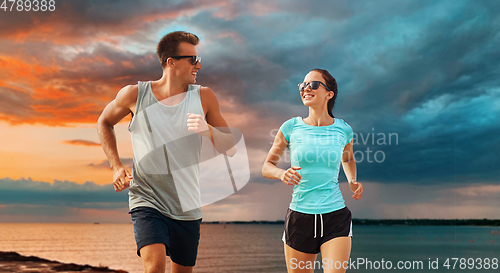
<point x="317" y="219"/>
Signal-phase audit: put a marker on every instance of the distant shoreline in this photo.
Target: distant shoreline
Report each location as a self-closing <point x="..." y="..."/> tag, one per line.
<point x="386" y="222"/>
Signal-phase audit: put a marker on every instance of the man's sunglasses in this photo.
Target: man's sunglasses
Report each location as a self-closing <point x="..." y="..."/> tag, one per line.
<point x="194" y="59"/>
<point x="313" y="84"/>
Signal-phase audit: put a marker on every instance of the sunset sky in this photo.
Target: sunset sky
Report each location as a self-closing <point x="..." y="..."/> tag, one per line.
<point x="424" y="72"/>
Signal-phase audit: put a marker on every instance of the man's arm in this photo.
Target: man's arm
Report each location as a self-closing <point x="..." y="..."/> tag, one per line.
<point x="223" y="138"/>
<point x="114" y="112"/>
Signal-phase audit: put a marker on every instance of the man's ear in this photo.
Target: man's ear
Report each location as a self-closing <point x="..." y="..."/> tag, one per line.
<point x="170" y="62"/>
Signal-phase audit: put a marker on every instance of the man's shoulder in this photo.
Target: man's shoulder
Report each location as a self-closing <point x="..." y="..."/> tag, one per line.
<point x="133" y="88"/>
<point x="128" y="95"/>
<point x="207" y="94"/>
<point x="205" y="90"/>
<point x="130" y="90"/>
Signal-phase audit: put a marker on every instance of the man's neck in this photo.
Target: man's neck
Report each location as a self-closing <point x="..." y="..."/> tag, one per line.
<point x="169" y="86"/>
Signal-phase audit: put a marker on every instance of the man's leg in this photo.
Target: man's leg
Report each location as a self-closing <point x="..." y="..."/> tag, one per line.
<point x="177" y="268"/>
<point x="184" y="241"/>
<point x="154" y="258"/>
<point x="152" y="236"/>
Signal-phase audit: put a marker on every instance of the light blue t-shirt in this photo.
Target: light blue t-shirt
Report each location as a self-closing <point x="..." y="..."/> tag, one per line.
<point x="318" y="151"/>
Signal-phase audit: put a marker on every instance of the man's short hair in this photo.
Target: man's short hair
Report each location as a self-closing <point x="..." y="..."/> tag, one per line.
<point x="169" y="44"/>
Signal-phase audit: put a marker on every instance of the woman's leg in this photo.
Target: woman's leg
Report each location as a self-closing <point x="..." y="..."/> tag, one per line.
<point x="299" y="262"/>
<point x="335" y="254"/>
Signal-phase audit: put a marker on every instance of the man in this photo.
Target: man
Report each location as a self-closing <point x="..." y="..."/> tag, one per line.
<point x="169" y="118"/>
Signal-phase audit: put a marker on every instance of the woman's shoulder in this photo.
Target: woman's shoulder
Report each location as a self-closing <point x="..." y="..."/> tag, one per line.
<point x="287" y="127"/>
<point x="343" y="123"/>
<point x="291" y="121"/>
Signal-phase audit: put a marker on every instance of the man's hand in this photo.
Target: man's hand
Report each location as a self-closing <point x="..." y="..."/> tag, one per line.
<point x="121" y="178"/>
<point x="196" y="123"/>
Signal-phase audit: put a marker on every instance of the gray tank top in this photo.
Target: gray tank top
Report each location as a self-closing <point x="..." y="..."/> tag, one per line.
<point x="166" y="155"/>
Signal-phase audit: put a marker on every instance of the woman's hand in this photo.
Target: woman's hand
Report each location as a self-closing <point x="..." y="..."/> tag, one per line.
<point x="357" y="188"/>
<point x="291" y="176"/>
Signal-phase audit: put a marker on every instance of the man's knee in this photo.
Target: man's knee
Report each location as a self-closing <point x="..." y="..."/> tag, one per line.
<point x="154" y="265"/>
<point x="154" y="268"/>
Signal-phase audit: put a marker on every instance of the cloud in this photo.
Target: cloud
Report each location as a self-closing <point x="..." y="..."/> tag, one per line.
<point x="127" y="162"/>
<point x="80" y="22"/>
<point x="60" y="193"/>
<point x="19" y="213"/>
<point x="81" y="142"/>
<point x="478" y="191"/>
<point x="75" y="91"/>
<point x="439" y="201"/>
<point x="424" y="70"/>
<point x="26" y="200"/>
<point x="258" y="201"/>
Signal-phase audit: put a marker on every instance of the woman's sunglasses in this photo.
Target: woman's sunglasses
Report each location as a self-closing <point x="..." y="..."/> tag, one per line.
<point x="313" y="84"/>
<point x="194" y="59"/>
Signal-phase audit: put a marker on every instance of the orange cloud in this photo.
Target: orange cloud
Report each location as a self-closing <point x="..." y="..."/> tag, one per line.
<point x="52" y="93"/>
<point x="128" y="64"/>
<point x="82" y="142"/>
<point x="94" y="59"/>
<point x="16" y="70"/>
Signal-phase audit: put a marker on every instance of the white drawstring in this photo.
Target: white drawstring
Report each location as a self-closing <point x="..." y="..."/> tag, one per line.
<point x="321" y="216"/>
<point x="315" y="226"/>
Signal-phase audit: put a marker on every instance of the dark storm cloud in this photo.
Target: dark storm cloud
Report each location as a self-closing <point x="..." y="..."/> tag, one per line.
<point x="449" y="61"/>
<point x="82" y="21"/>
<point x="391" y="76"/>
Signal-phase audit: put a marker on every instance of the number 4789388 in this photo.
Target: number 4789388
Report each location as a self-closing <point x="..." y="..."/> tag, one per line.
<point x="28" y="5"/>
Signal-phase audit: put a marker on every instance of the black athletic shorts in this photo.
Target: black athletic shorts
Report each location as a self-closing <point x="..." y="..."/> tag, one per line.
<point x="307" y="232"/>
<point x="181" y="238"/>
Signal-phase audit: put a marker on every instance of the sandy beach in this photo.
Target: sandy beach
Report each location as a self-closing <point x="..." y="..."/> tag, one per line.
<point x="14" y="262"/>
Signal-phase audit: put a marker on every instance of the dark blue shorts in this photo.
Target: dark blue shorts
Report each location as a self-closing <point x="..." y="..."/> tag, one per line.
<point x="181" y="238"/>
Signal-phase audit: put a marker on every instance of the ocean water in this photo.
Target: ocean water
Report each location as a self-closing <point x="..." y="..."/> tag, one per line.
<point x="258" y="248"/>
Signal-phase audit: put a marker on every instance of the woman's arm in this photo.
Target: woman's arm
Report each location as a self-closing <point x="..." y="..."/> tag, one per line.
<point x="349" y="166"/>
<point x="269" y="169"/>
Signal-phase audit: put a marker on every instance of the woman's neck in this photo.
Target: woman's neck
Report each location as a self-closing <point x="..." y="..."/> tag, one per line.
<point x="319" y="117"/>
